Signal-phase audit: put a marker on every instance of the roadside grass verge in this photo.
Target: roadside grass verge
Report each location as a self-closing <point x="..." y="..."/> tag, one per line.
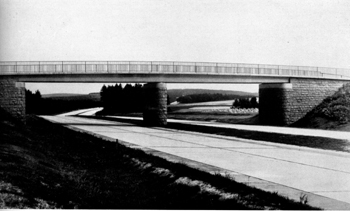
<point x="44" y="165"/>
<point x="250" y="119"/>
<point x="247" y="118"/>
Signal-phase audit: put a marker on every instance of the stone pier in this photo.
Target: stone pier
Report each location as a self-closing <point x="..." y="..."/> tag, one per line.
<point x="286" y="103"/>
<point x="155" y="110"/>
<point x="12" y="97"/>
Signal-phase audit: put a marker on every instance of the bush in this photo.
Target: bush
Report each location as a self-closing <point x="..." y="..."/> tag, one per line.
<point x="245" y="103"/>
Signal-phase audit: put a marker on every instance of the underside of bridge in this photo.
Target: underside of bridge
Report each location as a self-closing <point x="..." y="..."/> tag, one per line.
<point x="280" y="103"/>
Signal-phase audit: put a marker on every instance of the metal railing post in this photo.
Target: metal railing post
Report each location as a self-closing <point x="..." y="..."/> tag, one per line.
<point x="298" y="72"/>
<point x="44" y="67"/>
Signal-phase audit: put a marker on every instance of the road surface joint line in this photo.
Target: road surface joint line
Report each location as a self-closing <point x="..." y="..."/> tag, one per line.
<point x="317" y="200"/>
<point x="281" y="130"/>
<point x="250" y="154"/>
<point x="279" y="159"/>
<point x="155" y="146"/>
<point x="277" y="145"/>
<point x="249" y="180"/>
<point x="334" y="191"/>
<point x="246" y="153"/>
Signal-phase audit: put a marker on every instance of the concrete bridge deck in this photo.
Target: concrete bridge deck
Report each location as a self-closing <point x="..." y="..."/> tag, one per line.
<point x="323" y="176"/>
<point x="168" y="72"/>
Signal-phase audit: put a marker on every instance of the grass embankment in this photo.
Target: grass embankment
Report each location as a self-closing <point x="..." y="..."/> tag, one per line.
<point x="44" y="165"/>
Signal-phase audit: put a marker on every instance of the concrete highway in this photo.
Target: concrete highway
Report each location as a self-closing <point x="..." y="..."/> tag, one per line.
<point x="322" y="175"/>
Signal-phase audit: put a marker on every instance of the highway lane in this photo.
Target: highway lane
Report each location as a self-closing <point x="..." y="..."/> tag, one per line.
<point x="316" y="172"/>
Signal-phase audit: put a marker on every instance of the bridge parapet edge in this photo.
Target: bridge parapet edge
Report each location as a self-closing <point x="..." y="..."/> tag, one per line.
<point x="200" y="68"/>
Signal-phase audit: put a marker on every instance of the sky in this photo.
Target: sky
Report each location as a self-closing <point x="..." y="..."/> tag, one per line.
<point x="281" y="32"/>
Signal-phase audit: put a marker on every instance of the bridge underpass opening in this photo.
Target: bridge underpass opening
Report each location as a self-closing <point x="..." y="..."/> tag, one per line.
<point x="308" y="85"/>
<point x="279" y="103"/>
<point x="155" y="103"/>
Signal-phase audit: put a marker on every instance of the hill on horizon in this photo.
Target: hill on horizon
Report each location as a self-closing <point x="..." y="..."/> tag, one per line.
<point x="67" y="96"/>
<point x="61" y="95"/>
<point x="175" y="93"/>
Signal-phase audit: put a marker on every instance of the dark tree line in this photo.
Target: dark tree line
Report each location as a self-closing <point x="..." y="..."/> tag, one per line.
<point x="36" y="104"/>
<point x="118" y="99"/>
<point x="33" y="102"/>
<point x="245" y="103"/>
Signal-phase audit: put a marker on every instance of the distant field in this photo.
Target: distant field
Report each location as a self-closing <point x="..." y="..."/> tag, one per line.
<point x="211" y="108"/>
<point x="175" y="93"/>
<point x="218" y="111"/>
<point x="211" y="103"/>
<point x="226" y="104"/>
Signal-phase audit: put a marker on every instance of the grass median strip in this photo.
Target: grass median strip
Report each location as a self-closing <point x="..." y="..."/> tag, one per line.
<point x="296" y="140"/>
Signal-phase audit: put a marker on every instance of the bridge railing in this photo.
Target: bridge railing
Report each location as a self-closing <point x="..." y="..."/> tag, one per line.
<point x="120" y="67"/>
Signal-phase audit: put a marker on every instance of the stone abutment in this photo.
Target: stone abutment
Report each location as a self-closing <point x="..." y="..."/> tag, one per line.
<point x="12" y="97"/>
<point x="284" y="104"/>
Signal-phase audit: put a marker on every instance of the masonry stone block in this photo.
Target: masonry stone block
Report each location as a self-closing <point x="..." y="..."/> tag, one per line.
<point x="155" y="110"/>
<point x="284" y="104"/>
<point x="12" y="97"/>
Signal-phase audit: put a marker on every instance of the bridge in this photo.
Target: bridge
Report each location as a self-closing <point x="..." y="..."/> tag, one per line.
<point x="286" y="93"/>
